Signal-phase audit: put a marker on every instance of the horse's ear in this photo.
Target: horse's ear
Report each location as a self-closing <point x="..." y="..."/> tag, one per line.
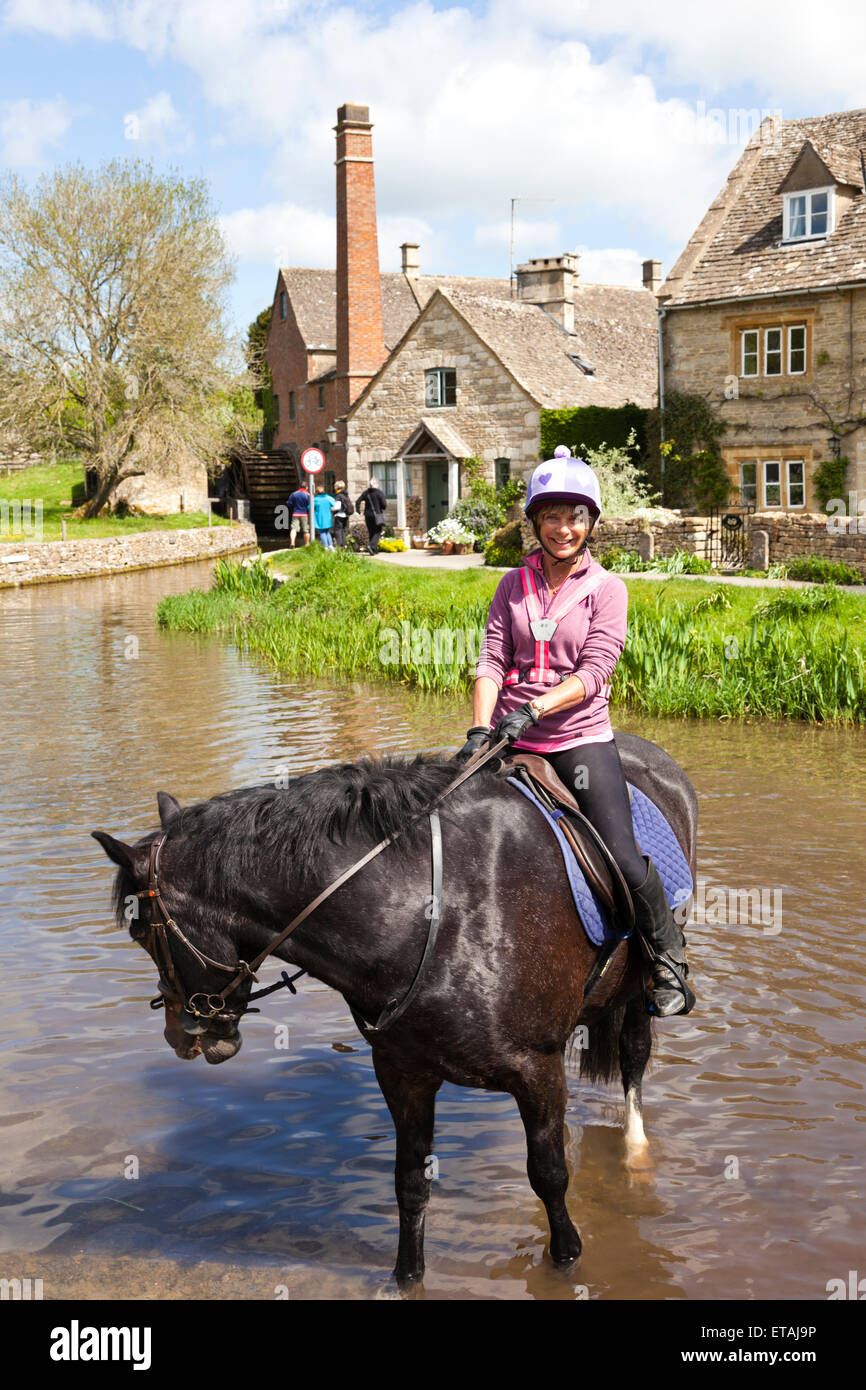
<point x="120" y="854"/>
<point x="168" y="808"/>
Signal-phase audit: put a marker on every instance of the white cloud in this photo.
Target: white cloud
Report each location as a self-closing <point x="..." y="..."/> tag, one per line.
<point x="286" y="234"/>
<point x="612" y="266"/>
<point x="157" y="123"/>
<point x="27" y="127"/>
<point x="530" y="238"/>
<point x="62" y="19"/>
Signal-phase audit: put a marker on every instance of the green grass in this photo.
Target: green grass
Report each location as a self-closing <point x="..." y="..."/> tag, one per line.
<point x="727" y="653"/>
<point x="53" y="484"/>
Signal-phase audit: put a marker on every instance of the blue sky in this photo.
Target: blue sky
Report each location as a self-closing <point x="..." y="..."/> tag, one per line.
<point x="620" y="119"/>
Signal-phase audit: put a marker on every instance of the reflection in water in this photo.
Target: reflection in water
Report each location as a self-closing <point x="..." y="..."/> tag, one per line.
<point x="277" y="1168"/>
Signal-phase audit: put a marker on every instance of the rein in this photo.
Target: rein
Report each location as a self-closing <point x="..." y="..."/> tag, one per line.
<point x="213" y="1006"/>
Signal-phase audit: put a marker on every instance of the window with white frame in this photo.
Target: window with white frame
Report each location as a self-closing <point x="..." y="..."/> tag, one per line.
<point x="748" y="484"/>
<point x="440" y="386"/>
<point x="773" y="351"/>
<point x="796" y="470"/>
<point x="808" y="214"/>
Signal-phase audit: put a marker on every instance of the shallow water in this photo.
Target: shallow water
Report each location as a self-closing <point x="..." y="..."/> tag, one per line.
<point x="275" y="1169"/>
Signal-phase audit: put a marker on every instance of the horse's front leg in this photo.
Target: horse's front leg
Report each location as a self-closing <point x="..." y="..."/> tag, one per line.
<point x="411" y="1098"/>
<point x="541" y="1095"/>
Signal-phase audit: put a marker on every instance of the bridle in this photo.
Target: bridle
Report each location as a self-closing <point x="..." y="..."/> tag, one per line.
<point x="212" y="1007"/>
<point x="199" y="1005"/>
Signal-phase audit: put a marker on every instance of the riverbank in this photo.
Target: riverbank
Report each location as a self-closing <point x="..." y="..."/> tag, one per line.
<point x="733" y="652"/>
<point x="50" y="562"/>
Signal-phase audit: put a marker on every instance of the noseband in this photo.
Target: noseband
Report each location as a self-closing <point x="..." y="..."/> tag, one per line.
<point x="199" y="1005"/>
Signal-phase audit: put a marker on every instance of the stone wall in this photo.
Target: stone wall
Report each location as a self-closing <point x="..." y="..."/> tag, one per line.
<point x="669" y="535"/>
<point x="779" y="417"/>
<point x="49" y="561"/>
<point x="494" y="416"/>
<point x="796" y="536"/>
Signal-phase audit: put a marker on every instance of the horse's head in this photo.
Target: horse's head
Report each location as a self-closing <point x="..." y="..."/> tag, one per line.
<point x="195" y="956"/>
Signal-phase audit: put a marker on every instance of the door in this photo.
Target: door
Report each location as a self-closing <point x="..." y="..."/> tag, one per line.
<point x="437" y="492"/>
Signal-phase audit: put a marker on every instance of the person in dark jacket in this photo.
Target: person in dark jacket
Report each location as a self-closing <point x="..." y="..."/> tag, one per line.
<point x="372" y="502"/>
<point x="344" y="509"/>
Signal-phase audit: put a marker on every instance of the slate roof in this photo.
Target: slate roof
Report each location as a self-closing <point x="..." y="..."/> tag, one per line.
<point x="736" y="253"/>
<point x="614" y="334"/>
<point x="313" y="295"/>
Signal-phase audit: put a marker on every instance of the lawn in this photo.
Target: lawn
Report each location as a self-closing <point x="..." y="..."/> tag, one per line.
<point x="710" y="651"/>
<point x="52" y="484"/>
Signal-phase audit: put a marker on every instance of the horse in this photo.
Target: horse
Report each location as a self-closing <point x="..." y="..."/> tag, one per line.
<point x="503" y="989"/>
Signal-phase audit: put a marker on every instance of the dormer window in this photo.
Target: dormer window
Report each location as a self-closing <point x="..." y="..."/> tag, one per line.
<point x="808" y="214"/>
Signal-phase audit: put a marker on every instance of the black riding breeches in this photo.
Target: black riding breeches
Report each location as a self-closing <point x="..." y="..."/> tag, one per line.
<point x="594" y="773"/>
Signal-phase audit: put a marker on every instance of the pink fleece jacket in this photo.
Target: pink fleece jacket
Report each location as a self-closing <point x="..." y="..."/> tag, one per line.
<point x="587" y="643"/>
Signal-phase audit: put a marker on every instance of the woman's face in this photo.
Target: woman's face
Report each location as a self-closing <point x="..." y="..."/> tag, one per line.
<point x="563" y="530"/>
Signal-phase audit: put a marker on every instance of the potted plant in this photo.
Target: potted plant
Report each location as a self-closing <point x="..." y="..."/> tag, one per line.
<point x="451" y="533"/>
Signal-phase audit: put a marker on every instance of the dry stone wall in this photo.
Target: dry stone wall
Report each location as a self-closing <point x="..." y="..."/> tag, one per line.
<point x="50" y="561"/>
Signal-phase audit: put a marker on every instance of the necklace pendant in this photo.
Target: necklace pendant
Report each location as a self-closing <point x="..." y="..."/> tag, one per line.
<point x="543" y="629"/>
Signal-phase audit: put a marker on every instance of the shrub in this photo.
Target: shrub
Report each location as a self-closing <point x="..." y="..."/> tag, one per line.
<point x="623" y="484"/>
<point x="817" y="570"/>
<point x="620" y="561"/>
<point x="829" y="479"/>
<point x="480" y="516"/>
<point x="392" y="544"/>
<point x="505" y="547"/>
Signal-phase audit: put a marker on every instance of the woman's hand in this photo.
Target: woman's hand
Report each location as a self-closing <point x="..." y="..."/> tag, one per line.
<point x="476" y="737"/>
<point x="513" y="725"/>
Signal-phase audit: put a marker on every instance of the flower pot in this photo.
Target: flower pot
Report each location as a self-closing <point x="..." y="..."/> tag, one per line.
<point x="460" y="548"/>
<point x="419" y="543"/>
<point x="447" y="547"/>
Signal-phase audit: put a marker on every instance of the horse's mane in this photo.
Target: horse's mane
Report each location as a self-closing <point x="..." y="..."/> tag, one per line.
<point x="293" y="825"/>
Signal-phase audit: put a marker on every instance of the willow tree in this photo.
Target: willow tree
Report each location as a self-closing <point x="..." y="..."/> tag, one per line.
<point x="113" y="340"/>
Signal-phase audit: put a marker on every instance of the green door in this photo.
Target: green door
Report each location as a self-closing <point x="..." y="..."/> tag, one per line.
<point x="437" y="492"/>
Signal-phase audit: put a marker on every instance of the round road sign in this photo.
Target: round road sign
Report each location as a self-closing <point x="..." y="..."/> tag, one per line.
<point x="312" y="460"/>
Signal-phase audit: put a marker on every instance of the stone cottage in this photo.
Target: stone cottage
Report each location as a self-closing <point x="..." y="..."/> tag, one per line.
<point x="402" y="375"/>
<point x="764" y="313"/>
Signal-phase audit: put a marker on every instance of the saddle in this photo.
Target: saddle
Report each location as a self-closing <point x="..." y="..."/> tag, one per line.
<point x="595" y="860"/>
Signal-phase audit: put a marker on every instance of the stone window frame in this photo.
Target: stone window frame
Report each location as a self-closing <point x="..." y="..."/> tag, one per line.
<point x="787" y="320"/>
<point x="284" y="304"/>
<point x="292" y="406"/>
<point x="386" y="471"/>
<point x="439" y="374"/>
<point x="788" y="238"/>
<point x="501" y="475"/>
<point x="321" y="397"/>
<point x="771" y="457"/>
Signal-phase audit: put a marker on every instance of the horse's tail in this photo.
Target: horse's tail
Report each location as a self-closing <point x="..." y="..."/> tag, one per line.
<point x="599" y="1047"/>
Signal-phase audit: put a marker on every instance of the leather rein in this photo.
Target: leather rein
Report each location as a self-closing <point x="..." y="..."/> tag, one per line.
<point x="213" y="1007"/>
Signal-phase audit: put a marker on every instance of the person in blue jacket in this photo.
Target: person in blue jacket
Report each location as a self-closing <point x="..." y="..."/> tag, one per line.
<point x="323" y="512"/>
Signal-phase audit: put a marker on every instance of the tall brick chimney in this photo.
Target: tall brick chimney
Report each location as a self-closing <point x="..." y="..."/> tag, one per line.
<point x="360" y="342"/>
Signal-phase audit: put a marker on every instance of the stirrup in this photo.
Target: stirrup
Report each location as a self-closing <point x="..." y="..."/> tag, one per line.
<point x="678" y="993"/>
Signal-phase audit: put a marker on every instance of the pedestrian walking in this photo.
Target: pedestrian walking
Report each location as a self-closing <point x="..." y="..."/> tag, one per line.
<point x="323" y="512"/>
<point x="372" y="503"/>
<point x="299" y="506"/>
<point x="343" y="510"/>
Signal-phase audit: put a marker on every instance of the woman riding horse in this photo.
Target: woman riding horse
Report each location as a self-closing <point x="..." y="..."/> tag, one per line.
<point x="555" y="632"/>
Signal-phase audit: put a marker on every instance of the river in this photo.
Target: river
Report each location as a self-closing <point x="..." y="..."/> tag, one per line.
<point x="126" y="1173"/>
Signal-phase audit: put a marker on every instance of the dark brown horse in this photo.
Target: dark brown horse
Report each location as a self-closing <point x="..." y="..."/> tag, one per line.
<point x="503" y="991"/>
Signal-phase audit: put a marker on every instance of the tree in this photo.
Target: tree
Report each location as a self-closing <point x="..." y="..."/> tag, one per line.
<point x="112" y="336"/>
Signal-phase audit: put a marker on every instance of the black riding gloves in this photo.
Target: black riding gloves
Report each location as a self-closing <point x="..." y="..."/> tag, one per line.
<point x="511" y="726"/>
<point x="476" y="737"/>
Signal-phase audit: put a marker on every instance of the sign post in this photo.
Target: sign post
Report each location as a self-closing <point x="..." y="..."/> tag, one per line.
<point x="312" y="462"/>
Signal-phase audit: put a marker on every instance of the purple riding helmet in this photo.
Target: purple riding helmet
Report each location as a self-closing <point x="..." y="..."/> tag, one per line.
<point x="564" y="479"/>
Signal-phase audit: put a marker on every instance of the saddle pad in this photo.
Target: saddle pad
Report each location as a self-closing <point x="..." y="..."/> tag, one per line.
<point x="655" y="837"/>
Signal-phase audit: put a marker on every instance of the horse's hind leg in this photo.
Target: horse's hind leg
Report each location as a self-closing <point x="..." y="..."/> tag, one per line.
<point x="635" y="1045"/>
<point x="411" y="1098"/>
<point x="541" y="1094"/>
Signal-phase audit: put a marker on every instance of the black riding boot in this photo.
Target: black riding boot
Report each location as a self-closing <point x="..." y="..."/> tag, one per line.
<point x="670" y="994"/>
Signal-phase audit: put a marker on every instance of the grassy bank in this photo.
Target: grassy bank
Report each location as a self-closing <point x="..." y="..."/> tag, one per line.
<point x="725" y="652"/>
<point x="52" y="484"/>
